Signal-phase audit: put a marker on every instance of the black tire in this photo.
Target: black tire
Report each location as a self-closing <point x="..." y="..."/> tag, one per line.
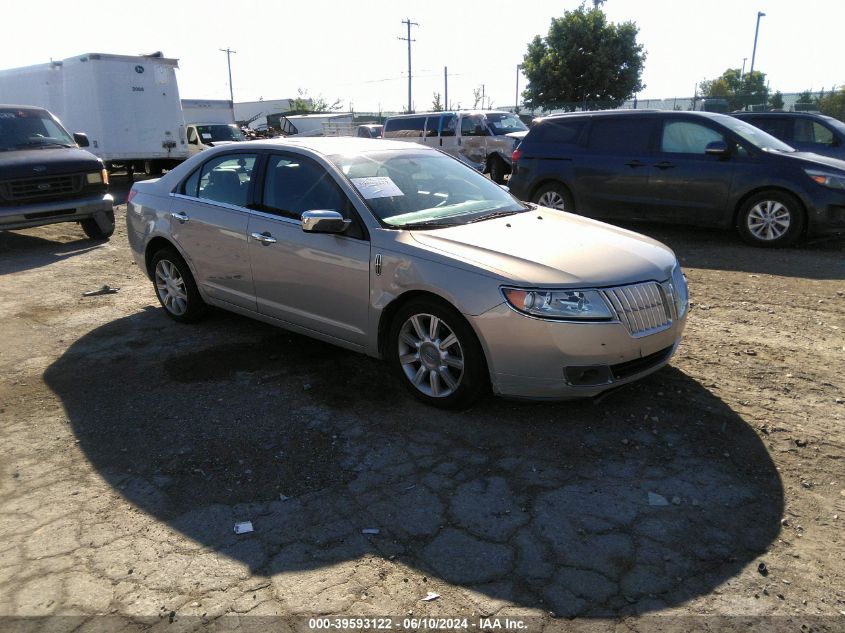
<point x="152" y="168"/>
<point x="175" y="287"/>
<point x="771" y="219"/>
<point x="554" y="196"/>
<point x="414" y="353"/>
<point x="498" y="170"/>
<point x="94" y="231"/>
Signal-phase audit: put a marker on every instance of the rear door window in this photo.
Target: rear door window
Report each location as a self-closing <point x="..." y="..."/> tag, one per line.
<point x="225" y="179"/>
<point x="620" y="135"/>
<point x="687" y="137"/>
<point x="404" y="127"/>
<point x="448" y="124"/>
<point x="809" y="131"/>
<point x="558" y="131"/>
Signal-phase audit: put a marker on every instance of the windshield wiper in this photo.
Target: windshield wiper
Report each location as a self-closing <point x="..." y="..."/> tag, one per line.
<point x="39" y="144"/>
<point x="491" y="216"/>
<point x="430" y="224"/>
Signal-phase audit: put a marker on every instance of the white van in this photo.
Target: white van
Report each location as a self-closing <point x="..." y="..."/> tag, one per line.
<point x="483" y="139"/>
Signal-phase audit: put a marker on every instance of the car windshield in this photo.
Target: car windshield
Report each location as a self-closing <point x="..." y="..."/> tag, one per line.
<point x="221" y="132"/>
<point x="412" y="189"/>
<point x="505" y="123"/>
<point x="26" y="128"/>
<point x="757" y="137"/>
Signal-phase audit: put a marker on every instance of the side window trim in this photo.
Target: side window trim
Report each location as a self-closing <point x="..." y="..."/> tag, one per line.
<point x="180" y="189"/>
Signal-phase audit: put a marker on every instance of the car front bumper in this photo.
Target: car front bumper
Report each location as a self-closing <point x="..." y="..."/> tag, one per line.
<point x="41" y="213"/>
<point x="558" y="360"/>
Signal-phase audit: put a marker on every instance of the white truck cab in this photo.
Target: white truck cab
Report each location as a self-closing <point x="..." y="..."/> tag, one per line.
<point x="204" y="135"/>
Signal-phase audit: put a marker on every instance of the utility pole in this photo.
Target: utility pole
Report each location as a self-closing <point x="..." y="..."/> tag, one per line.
<point x="408" y="39"/>
<point x="760" y="14"/>
<point x="516" y="98"/>
<point x="482" y="96"/>
<point x="446" y="88"/>
<point x="229" y="63"/>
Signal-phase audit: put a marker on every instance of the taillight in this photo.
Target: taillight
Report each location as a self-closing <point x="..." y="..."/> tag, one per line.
<point x="132" y="194"/>
<point x="515" y="158"/>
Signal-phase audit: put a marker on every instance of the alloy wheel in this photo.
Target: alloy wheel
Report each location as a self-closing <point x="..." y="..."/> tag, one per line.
<point x="552" y="200"/>
<point x="170" y="286"/>
<point x="431" y="355"/>
<point x="768" y="220"/>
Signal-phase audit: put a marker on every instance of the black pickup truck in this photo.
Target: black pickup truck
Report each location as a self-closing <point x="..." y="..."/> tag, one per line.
<point x="45" y="176"/>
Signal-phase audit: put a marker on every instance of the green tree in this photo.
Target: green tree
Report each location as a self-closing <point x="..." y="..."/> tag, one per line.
<point x="776" y="100"/>
<point x="739" y="91"/>
<point x="583" y="61"/>
<point x="436" y="104"/>
<point x="833" y="103"/>
<point x="304" y="103"/>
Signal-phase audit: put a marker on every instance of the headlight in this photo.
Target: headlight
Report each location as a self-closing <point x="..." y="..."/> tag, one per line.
<point x="575" y="305"/>
<point x="97" y="177"/>
<point x="825" y="179"/>
<point x="681" y="291"/>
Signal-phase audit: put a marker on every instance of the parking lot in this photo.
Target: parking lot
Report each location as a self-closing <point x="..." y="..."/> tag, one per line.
<point x="132" y="445"/>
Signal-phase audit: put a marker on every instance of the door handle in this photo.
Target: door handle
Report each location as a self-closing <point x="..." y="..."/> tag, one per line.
<point x="635" y="163"/>
<point x="664" y="165"/>
<point x="264" y="238"/>
<point x="180" y="216"/>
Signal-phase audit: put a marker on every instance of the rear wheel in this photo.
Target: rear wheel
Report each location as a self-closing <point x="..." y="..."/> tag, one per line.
<point x="771" y="219"/>
<point x="437" y="355"/>
<point x="175" y="287"/>
<point x="554" y="196"/>
<point x="100" y="228"/>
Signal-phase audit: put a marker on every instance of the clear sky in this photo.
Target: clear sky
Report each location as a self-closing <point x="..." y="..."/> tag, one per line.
<point x="350" y="50"/>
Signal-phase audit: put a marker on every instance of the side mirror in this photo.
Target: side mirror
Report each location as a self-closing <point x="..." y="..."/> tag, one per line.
<point x="717" y="148"/>
<point x="81" y="139"/>
<point x="324" y="221"/>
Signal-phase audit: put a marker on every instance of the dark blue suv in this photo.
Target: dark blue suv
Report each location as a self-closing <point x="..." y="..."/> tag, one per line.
<point x="696" y="168"/>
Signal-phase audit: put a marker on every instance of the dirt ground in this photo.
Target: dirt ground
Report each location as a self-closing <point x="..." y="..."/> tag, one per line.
<point x="131" y="445"/>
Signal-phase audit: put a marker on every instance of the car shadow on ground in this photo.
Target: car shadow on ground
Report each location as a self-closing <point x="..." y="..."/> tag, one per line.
<point x="25" y="251"/>
<point x="655" y="495"/>
<point x="813" y="258"/>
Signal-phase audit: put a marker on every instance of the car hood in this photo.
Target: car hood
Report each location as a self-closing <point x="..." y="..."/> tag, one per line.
<point x="517" y="135"/>
<point x="544" y="247"/>
<point x="816" y="160"/>
<point x="34" y="162"/>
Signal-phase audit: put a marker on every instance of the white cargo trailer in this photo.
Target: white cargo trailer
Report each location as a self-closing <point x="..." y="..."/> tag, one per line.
<point x="127" y="105"/>
<point x="208" y="111"/>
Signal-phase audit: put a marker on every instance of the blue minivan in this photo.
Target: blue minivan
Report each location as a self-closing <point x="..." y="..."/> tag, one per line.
<point x="697" y="168"/>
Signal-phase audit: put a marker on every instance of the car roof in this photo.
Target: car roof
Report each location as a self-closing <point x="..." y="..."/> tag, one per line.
<point x="330" y="145"/>
<point x="14" y="106"/>
<point x="815" y="115"/>
<point x="631" y="113"/>
<point x="402" y="116"/>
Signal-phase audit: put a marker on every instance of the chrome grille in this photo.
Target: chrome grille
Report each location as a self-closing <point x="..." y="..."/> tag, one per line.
<point x="643" y="308"/>
<point x="43" y="187"/>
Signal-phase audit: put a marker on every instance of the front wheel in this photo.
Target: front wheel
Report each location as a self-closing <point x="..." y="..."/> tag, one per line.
<point x="498" y="169"/>
<point x="554" y="196"/>
<point x="437" y="355"/>
<point x="175" y="287"/>
<point x="771" y="219"/>
<point x="99" y="228"/>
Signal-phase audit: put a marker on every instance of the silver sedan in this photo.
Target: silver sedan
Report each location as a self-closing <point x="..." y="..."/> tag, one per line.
<point x="404" y="253"/>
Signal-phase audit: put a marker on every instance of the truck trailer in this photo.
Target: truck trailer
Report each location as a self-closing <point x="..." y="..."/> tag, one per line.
<point x="127" y="105"/>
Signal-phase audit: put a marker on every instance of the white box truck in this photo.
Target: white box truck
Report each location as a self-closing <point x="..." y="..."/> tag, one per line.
<point x="127" y="105"/>
<point x="209" y="122"/>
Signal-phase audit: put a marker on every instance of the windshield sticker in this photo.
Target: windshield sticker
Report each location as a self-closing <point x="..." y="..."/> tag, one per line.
<point x="206" y="136"/>
<point x="377" y="187"/>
